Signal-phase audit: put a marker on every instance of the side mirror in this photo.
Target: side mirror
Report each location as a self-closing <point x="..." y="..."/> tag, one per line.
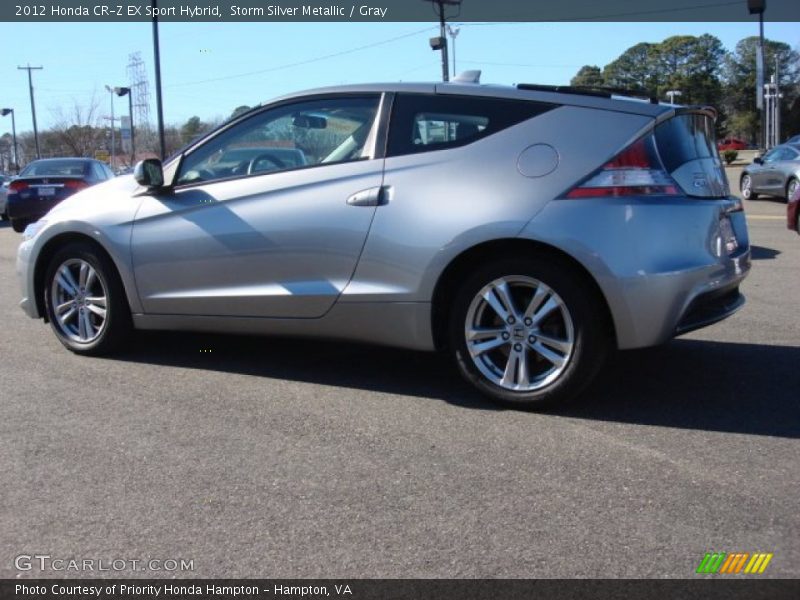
<point x="149" y="173"/>
<point x="759" y="160"/>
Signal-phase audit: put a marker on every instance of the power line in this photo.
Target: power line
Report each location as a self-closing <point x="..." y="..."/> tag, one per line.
<point x="302" y="62"/>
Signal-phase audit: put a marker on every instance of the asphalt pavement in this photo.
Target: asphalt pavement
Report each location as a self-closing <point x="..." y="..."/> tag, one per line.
<point x="261" y="457"/>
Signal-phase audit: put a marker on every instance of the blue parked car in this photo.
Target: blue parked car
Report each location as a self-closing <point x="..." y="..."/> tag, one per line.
<point x="46" y="182"/>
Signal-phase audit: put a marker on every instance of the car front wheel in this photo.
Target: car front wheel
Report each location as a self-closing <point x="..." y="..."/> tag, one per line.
<point x="746" y="187"/>
<point x="528" y="333"/>
<point x="791" y="188"/>
<point x="85" y="300"/>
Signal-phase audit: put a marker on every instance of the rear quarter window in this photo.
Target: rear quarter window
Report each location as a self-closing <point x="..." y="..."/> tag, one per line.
<point x="686" y="138"/>
<point x="427" y="122"/>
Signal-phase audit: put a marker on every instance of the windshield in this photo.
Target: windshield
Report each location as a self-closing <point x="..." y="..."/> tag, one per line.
<point x="55" y="168"/>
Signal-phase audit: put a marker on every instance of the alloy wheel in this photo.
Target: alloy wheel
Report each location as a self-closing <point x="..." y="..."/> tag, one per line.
<point x="791" y="189"/>
<point x="519" y="333"/>
<point x="746" y="187"/>
<point x="79" y="300"/>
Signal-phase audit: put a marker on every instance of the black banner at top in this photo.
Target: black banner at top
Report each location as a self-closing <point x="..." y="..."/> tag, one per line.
<point x="396" y="10"/>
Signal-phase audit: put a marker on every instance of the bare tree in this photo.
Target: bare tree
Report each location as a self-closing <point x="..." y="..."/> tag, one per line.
<point x="78" y="129"/>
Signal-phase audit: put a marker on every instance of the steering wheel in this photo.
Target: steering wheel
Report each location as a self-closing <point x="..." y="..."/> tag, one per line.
<point x="264" y="156"/>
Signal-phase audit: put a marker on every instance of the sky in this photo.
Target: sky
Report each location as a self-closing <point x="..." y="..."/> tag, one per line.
<point x="208" y="69"/>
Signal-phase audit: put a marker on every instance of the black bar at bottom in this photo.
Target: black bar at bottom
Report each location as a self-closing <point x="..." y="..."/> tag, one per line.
<point x="705" y="588"/>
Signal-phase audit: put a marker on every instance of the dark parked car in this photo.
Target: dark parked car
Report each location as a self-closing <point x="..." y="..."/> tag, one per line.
<point x="777" y="173"/>
<point x="44" y="183"/>
<point x="793" y="211"/>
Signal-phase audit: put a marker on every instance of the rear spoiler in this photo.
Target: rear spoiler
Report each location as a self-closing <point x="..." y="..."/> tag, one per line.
<point x="590" y="90"/>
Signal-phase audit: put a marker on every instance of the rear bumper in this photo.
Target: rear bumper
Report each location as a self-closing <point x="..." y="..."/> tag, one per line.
<point x="28" y="209"/>
<point x="709" y="308"/>
<point x="658" y="261"/>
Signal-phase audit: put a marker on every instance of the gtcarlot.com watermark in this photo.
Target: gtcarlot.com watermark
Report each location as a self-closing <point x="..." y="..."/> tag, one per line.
<point x="45" y="562"/>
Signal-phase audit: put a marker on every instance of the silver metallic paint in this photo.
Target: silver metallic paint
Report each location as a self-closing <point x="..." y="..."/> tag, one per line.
<point x="272" y="253"/>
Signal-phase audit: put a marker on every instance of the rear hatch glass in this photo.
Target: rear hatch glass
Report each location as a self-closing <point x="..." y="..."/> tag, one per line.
<point x="688" y="150"/>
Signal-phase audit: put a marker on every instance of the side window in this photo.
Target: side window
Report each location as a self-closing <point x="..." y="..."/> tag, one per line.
<point x="98" y="172"/>
<point x="425" y="122"/>
<point x="771" y="156"/>
<point x="290" y="136"/>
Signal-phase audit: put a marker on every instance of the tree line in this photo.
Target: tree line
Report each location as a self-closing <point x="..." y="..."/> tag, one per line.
<point x="706" y="73"/>
<point x="79" y="131"/>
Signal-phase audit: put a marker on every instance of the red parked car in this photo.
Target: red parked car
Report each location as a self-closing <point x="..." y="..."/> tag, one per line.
<point x="731" y="144"/>
<point x="793" y="211"/>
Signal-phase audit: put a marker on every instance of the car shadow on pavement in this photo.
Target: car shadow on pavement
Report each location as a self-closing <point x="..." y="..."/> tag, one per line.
<point x="762" y="253"/>
<point x="689" y="384"/>
<point x="697" y="384"/>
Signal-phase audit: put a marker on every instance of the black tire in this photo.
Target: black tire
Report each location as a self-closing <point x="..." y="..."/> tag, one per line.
<point x="590" y="331"/>
<point x="19" y="225"/>
<point x="116" y="326"/>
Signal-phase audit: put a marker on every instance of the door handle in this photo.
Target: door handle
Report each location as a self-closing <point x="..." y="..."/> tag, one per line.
<point x="370" y="197"/>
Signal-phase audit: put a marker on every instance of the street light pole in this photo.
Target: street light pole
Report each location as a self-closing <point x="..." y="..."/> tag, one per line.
<point x="111" y="91"/>
<point x="4" y="112"/>
<point x="126" y="91"/>
<point x="758" y="7"/>
<point x="672" y="93"/>
<point x="453" y="31"/>
<point x="29" y="68"/>
<point x="159" y="107"/>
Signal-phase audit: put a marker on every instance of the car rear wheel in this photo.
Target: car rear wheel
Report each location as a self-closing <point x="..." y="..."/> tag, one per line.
<point x="19" y="225"/>
<point x="746" y="187"/>
<point x="85" y="300"/>
<point x="791" y="188"/>
<point x="527" y="333"/>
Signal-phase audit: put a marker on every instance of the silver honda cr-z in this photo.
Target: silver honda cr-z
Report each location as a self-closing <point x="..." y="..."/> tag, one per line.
<point x="528" y="231"/>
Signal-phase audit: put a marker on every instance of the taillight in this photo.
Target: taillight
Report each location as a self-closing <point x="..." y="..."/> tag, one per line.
<point x="18" y="186"/>
<point x="636" y="171"/>
<point x="75" y="185"/>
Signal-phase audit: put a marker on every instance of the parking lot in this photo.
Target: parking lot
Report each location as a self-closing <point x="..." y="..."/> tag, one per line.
<point x="280" y="458"/>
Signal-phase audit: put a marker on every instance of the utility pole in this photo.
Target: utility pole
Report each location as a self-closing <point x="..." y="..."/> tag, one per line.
<point x="159" y="107"/>
<point x="29" y="68"/>
<point x="440" y="42"/>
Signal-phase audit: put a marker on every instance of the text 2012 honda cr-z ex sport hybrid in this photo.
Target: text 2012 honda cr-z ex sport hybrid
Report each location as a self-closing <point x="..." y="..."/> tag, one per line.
<point x="525" y="230"/>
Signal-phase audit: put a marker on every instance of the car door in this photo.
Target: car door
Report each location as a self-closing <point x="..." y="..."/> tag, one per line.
<point x="773" y="174"/>
<point x="267" y="217"/>
<point x="759" y="172"/>
<point x="785" y="167"/>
